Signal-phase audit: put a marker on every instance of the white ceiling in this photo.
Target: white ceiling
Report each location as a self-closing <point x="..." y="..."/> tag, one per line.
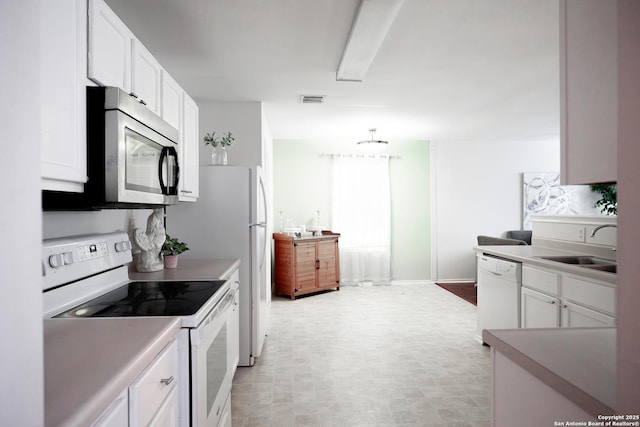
<point x="447" y="70"/>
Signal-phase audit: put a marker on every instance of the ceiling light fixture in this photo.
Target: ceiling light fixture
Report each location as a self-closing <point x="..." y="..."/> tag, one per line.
<point x="370" y="27"/>
<point x="372" y="144"/>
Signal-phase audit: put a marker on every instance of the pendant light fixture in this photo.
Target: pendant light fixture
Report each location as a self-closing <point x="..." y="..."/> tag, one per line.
<point x="372" y="144"/>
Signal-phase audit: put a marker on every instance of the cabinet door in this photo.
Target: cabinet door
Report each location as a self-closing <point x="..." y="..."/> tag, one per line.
<point x="577" y="316"/>
<point x="63" y="95"/>
<point x="327" y="272"/>
<point x="109" y="47"/>
<point x="589" y="91"/>
<point x="189" y="184"/>
<point x="117" y="414"/>
<point x="146" y="81"/>
<point x="305" y="266"/>
<point x="539" y="310"/>
<point x="167" y="414"/>
<point x="153" y="386"/>
<point x="171" y="106"/>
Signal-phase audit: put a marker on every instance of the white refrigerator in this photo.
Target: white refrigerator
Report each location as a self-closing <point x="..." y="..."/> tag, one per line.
<point x="229" y="221"/>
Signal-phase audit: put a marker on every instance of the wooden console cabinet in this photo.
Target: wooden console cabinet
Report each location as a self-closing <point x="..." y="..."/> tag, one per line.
<point x="306" y="265"/>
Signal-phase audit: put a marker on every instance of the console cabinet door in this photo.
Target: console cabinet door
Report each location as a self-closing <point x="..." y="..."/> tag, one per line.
<point x="327" y="264"/>
<point x="305" y="266"/>
<point x="539" y="310"/>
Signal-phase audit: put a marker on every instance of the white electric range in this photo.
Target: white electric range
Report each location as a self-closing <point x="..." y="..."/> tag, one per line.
<point x="87" y="277"/>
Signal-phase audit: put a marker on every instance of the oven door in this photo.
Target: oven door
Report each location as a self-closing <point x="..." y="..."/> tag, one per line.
<point x="211" y="364"/>
<point x="141" y="166"/>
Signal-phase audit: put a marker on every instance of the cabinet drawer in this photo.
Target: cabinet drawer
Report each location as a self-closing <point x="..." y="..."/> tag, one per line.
<point x="589" y="293"/>
<point x="541" y="280"/>
<point x="151" y="388"/>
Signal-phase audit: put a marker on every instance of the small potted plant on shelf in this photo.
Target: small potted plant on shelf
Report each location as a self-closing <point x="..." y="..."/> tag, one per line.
<point x="219" y="154"/>
<point x="171" y="248"/>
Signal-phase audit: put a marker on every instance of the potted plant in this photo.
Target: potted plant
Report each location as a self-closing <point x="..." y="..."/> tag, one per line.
<point x="219" y="154"/>
<point x="171" y="248"/>
<point x="608" y="202"/>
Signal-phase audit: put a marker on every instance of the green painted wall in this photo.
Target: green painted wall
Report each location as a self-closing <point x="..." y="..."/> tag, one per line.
<point x="302" y="186"/>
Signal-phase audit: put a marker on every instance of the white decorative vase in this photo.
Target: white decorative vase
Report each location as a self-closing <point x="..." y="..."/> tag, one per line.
<point x="170" y="261"/>
<point x="219" y="156"/>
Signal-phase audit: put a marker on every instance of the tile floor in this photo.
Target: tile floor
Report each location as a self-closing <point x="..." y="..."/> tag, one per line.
<point x="382" y="355"/>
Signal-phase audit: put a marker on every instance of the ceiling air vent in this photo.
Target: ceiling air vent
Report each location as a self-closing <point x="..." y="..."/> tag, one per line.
<point x="312" y="99"/>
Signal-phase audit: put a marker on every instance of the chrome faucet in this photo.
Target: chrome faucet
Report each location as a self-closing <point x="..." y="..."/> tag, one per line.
<point x="595" y="230"/>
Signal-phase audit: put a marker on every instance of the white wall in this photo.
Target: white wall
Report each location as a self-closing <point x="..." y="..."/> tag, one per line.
<point x="302" y="185"/>
<point x="21" y="360"/>
<point x="478" y="191"/>
<point x="244" y="120"/>
<point x="63" y="224"/>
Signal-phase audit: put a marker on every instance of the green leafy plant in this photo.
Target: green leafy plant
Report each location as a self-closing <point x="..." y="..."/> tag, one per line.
<point x="225" y="141"/>
<point x="608" y="202"/>
<point x="172" y="246"/>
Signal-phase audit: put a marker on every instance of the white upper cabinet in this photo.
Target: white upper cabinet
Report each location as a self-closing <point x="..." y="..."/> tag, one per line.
<point x="172" y="92"/>
<point x="189" y="184"/>
<point x="146" y="77"/>
<point x="109" y="47"/>
<point x="589" y="90"/>
<point x="179" y="110"/>
<point x="63" y="33"/>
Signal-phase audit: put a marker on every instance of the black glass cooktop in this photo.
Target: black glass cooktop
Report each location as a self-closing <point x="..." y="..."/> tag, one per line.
<point x="174" y="298"/>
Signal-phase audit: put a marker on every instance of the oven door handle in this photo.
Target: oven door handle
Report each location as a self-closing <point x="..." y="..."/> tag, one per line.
<point x="215" y="320"/>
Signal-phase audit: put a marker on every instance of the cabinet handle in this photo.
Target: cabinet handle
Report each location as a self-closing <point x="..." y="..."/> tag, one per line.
<point x="167" y="381"/>
<point x="186" y="191"/>
<point x="564" y="305"/>
<point x="551" y="302"/>
<point x="317" y="264"/>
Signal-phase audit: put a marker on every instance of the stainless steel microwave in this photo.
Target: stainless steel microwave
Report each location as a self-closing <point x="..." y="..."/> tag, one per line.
<point x="132" y="158"/>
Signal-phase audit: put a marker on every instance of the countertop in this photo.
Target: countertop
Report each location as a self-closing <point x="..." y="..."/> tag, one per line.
<point x="579" y="363"/>
<point x="531" y="254"/>
<point x="89" y="362"/>
<point x="192" y="269"/>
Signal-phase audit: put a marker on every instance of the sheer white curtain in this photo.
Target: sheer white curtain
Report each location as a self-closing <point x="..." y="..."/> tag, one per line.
<point x="362" y="215"/>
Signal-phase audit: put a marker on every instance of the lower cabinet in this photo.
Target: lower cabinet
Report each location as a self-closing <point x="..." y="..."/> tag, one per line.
<point x="577" y="316"/>
<point x="117" y="414"/>
<point x="308" y="265"/>
<point x="153" y="395"/>
<point x="564" y="300"/>
<point x="152" y="399"/>
<point x="539" y="310"/>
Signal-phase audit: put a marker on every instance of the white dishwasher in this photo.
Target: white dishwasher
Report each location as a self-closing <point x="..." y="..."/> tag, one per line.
<point x="499" y="283"/>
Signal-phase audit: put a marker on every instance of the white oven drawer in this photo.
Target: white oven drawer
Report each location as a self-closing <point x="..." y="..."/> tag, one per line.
<point x="151" y="388"/>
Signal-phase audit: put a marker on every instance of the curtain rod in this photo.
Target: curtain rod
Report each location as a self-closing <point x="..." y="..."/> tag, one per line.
<point x="361" y="155"/>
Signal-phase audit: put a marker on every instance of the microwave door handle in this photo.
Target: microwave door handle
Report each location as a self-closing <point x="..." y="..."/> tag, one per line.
<point x="169" y="188"/>
<point x="163" y="157"/>
<point x="176" y="172"/>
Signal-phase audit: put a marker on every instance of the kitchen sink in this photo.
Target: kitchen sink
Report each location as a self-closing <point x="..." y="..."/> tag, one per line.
<point x="610" y="268"/>
<point x="586" y="261"/>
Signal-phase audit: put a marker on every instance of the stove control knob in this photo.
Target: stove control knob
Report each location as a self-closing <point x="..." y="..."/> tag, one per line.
<point x="68" y="258"/>
<point x="56" y="260"/>
<point x="123" y="246"/>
